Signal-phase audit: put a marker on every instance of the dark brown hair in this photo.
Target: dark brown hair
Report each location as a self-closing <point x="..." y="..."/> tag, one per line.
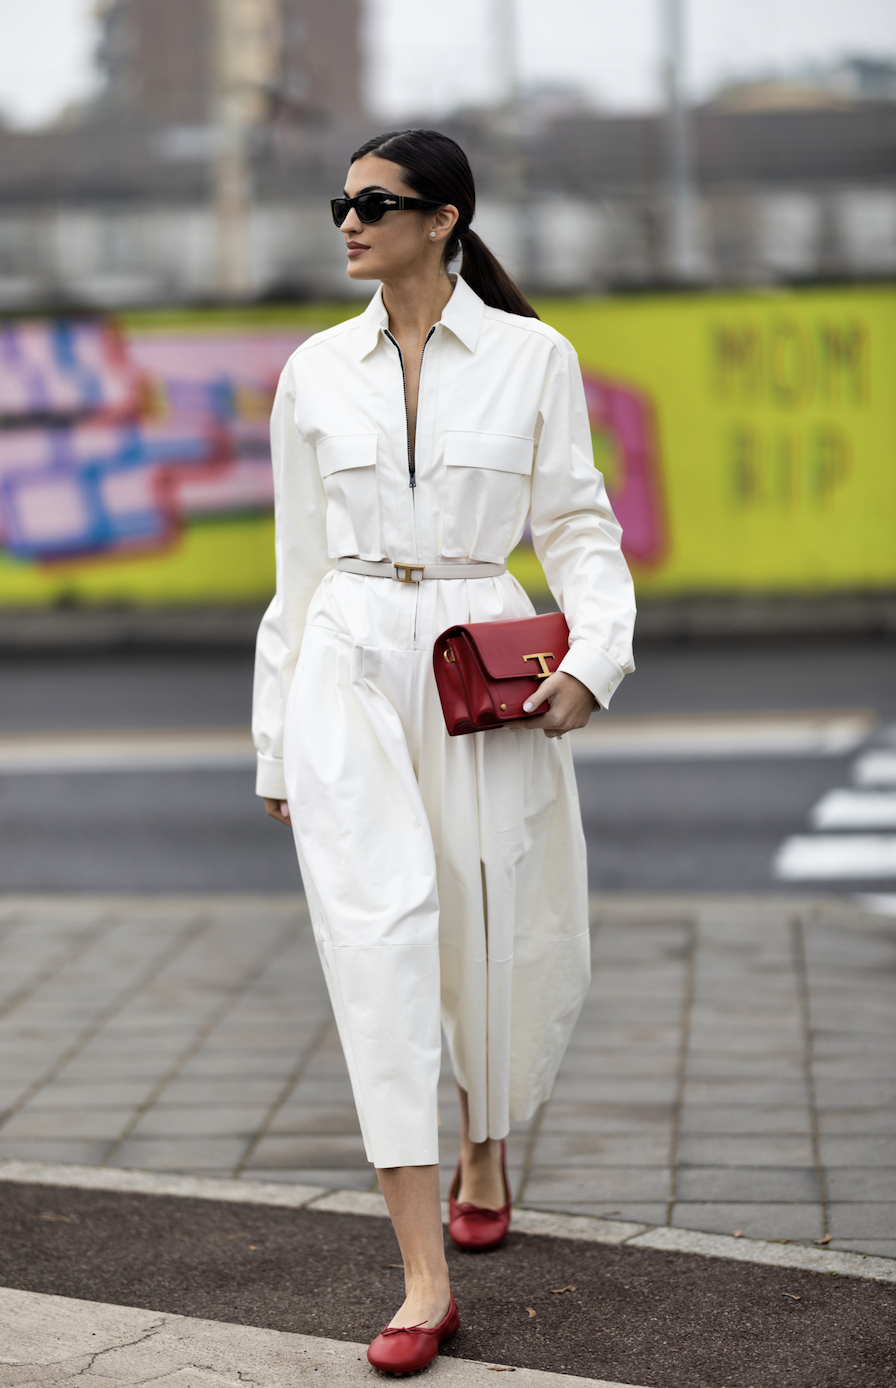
<point x="436" y="167"/>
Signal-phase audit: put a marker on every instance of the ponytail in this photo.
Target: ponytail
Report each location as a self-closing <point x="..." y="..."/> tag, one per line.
<point x="487" y="277"/>
<point x="436" y="167"/>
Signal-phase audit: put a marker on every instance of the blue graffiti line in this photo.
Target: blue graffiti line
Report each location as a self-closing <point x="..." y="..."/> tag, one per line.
<point x="64" y="338"/>
<point x="97" y="529"/>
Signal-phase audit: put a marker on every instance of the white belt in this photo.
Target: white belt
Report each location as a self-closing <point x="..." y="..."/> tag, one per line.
<point x="412" y="573"/>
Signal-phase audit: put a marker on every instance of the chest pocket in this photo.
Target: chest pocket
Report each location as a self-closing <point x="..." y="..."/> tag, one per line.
<point x="347" y="465"/>
<point x="484" y="493"/>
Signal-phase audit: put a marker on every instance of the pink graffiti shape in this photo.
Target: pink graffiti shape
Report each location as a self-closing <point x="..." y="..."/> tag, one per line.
<point x="626" y="413"/>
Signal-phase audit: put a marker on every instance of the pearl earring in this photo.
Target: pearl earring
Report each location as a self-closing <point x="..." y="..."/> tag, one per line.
<point x="433" y="235"/>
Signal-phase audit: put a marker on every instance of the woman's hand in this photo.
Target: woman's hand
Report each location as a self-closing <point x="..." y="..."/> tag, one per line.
<point x="572" y="704"/>
<point x="277" y="809"/>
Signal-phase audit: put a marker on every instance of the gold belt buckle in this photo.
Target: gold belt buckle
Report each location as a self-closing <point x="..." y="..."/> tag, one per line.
<point x="405" y="572"/>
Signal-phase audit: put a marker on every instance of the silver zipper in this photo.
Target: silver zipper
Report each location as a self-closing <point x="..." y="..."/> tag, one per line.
<point x="412" y="466"/>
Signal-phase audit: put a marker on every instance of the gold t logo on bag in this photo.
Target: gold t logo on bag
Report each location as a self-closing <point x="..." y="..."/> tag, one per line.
<point x="542" y="657"/>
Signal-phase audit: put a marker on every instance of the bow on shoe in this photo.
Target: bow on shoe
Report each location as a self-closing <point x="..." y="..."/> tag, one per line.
<point x="407" y="1329"/>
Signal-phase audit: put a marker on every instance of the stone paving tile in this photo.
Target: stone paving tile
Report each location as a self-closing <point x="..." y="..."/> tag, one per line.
<point x="858" y="1150"/>
<point x="834" y="1094"/>
<point x="774" y="1185"/>
<point x="330" y="1177"/>
<point x="731" y="1065"/>
<point x="866" y="1219"/>
<point x="720" y="1016"/>
<point x="229" y="1064"/>
<point x="204" y="1093"/>
<point x="614" y="1064"/>
<point x="166" y="1120"/>
<point x="555" y="1186"/>
<point x="60" y="1094"/>
<point x="744" y="1150"/>
<point x="601" y="1090"/>
<point x="565" y="1116"/>
<point x="851" y="1121"/>
<point x="115" y="1065"/>
<point x="765" y="1220"/>
<point x="587" y="1149"/>
<point x="859" y="1067"/>
<point x="72" y="1152"/>
<point x="317" y="1150"/>
<point x="861" y="1183"/>
<point x="298" y="1119"/>
<point x="635" y="1211"/>
<point x="752" y="1093"/>
<point x="61" y="1125"/>
<point x="219" y="1154"/>
<point x="717" y="1120"/>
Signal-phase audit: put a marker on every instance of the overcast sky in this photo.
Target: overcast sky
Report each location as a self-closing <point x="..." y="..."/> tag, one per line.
<point x="433" y="56"/>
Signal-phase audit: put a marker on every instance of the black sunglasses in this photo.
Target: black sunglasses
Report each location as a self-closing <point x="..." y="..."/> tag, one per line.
<point x="372" y="207"/>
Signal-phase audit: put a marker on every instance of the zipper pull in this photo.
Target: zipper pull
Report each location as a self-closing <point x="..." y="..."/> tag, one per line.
<point x="413" y="481"/>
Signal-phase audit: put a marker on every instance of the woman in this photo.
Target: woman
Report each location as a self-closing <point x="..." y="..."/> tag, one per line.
<point x="446" y="877"/>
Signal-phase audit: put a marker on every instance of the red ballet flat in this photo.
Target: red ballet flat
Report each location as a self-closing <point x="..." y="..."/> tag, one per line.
<point x="473" y="1227"/>
<point x="405" y="1349"/>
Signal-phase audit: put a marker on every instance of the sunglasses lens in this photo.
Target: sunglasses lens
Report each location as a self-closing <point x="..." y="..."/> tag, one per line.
<point x="371" y="207"/>
<point x="339" y="209"/>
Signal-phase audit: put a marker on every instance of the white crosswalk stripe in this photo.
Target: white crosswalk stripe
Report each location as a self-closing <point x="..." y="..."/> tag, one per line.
<point x="855" y="809"/>
<point x="833" y="857"/>
<point x="876" y="769"/>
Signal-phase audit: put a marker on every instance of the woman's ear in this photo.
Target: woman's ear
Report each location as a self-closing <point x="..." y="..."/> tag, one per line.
<point x="443" y="222"/>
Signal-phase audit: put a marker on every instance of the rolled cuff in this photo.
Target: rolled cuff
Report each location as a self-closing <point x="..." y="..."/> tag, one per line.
<point x="595" y="669"/>
<point x="269" y="780"/>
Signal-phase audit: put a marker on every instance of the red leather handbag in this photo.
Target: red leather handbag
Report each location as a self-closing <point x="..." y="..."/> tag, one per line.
<point x="485" y="671"/>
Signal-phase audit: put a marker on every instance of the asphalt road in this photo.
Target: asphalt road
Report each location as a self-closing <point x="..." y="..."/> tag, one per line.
<point x="663" y="825"/>
<point x="628" y="1315"/>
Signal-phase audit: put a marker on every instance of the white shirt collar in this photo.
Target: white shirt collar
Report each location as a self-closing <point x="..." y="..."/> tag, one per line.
<point x="462" y="316"/>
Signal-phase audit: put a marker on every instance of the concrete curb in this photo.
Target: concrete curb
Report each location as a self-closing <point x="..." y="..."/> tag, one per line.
<point x="544" y="1223"/>
<point x="61" y="1342"/>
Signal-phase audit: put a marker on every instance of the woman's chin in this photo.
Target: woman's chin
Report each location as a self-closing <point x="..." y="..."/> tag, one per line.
<point x="359" y="269"/>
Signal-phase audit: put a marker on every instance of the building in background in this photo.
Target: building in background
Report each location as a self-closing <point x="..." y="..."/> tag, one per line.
<point x="204" y="168"/>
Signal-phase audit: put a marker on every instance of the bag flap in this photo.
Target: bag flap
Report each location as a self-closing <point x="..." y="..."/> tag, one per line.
<point x="502" y="645"/>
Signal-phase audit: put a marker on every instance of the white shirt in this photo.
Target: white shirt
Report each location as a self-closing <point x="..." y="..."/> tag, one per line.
<point x="502" y="436"/>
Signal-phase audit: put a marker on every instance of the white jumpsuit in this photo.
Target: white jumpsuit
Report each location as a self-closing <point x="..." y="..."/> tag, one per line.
<point x="446" y="877"/>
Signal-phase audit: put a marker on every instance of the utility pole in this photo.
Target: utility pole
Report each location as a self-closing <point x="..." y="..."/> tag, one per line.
<point x="505" y="64"/>
<point x="246" y="57"/>
<point x="511" y="180"/>
<point x="681" y="251"/>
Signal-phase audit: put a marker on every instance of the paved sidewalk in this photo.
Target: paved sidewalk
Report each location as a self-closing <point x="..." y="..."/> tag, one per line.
<point x="734" y="1067"/>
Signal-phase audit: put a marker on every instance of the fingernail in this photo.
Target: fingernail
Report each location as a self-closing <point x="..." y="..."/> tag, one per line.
<point x="527" y="706"/>
<point x="284" y="808"/>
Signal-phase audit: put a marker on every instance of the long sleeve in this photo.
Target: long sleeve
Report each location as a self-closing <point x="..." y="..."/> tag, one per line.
<point x="302" y="561"/>
<point x="576" y="538"/>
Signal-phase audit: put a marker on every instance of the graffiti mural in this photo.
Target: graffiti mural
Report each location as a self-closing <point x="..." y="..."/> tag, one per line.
<point x="110" y="444"/>
<point x="626" y="451"/>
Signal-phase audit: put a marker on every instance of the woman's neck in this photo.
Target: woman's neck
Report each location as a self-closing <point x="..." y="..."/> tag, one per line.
<point x="415" y="304"/>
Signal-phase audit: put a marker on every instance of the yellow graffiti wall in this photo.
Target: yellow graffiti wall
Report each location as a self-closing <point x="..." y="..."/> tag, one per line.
<point x="748" y="440"/>
<point x="775" y="432"/>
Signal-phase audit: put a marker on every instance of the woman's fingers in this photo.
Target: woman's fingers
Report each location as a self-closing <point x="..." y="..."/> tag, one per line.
<point x="277" y="809"/>
<point x="571" y="705"/>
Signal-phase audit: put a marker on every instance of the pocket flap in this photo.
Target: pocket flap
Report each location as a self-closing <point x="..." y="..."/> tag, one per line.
<point x="338" y="452"/>
<point x="500" y="452"/>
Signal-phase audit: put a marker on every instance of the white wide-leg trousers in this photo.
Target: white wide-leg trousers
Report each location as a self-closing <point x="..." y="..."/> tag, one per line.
<point x="446" y="877"/>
